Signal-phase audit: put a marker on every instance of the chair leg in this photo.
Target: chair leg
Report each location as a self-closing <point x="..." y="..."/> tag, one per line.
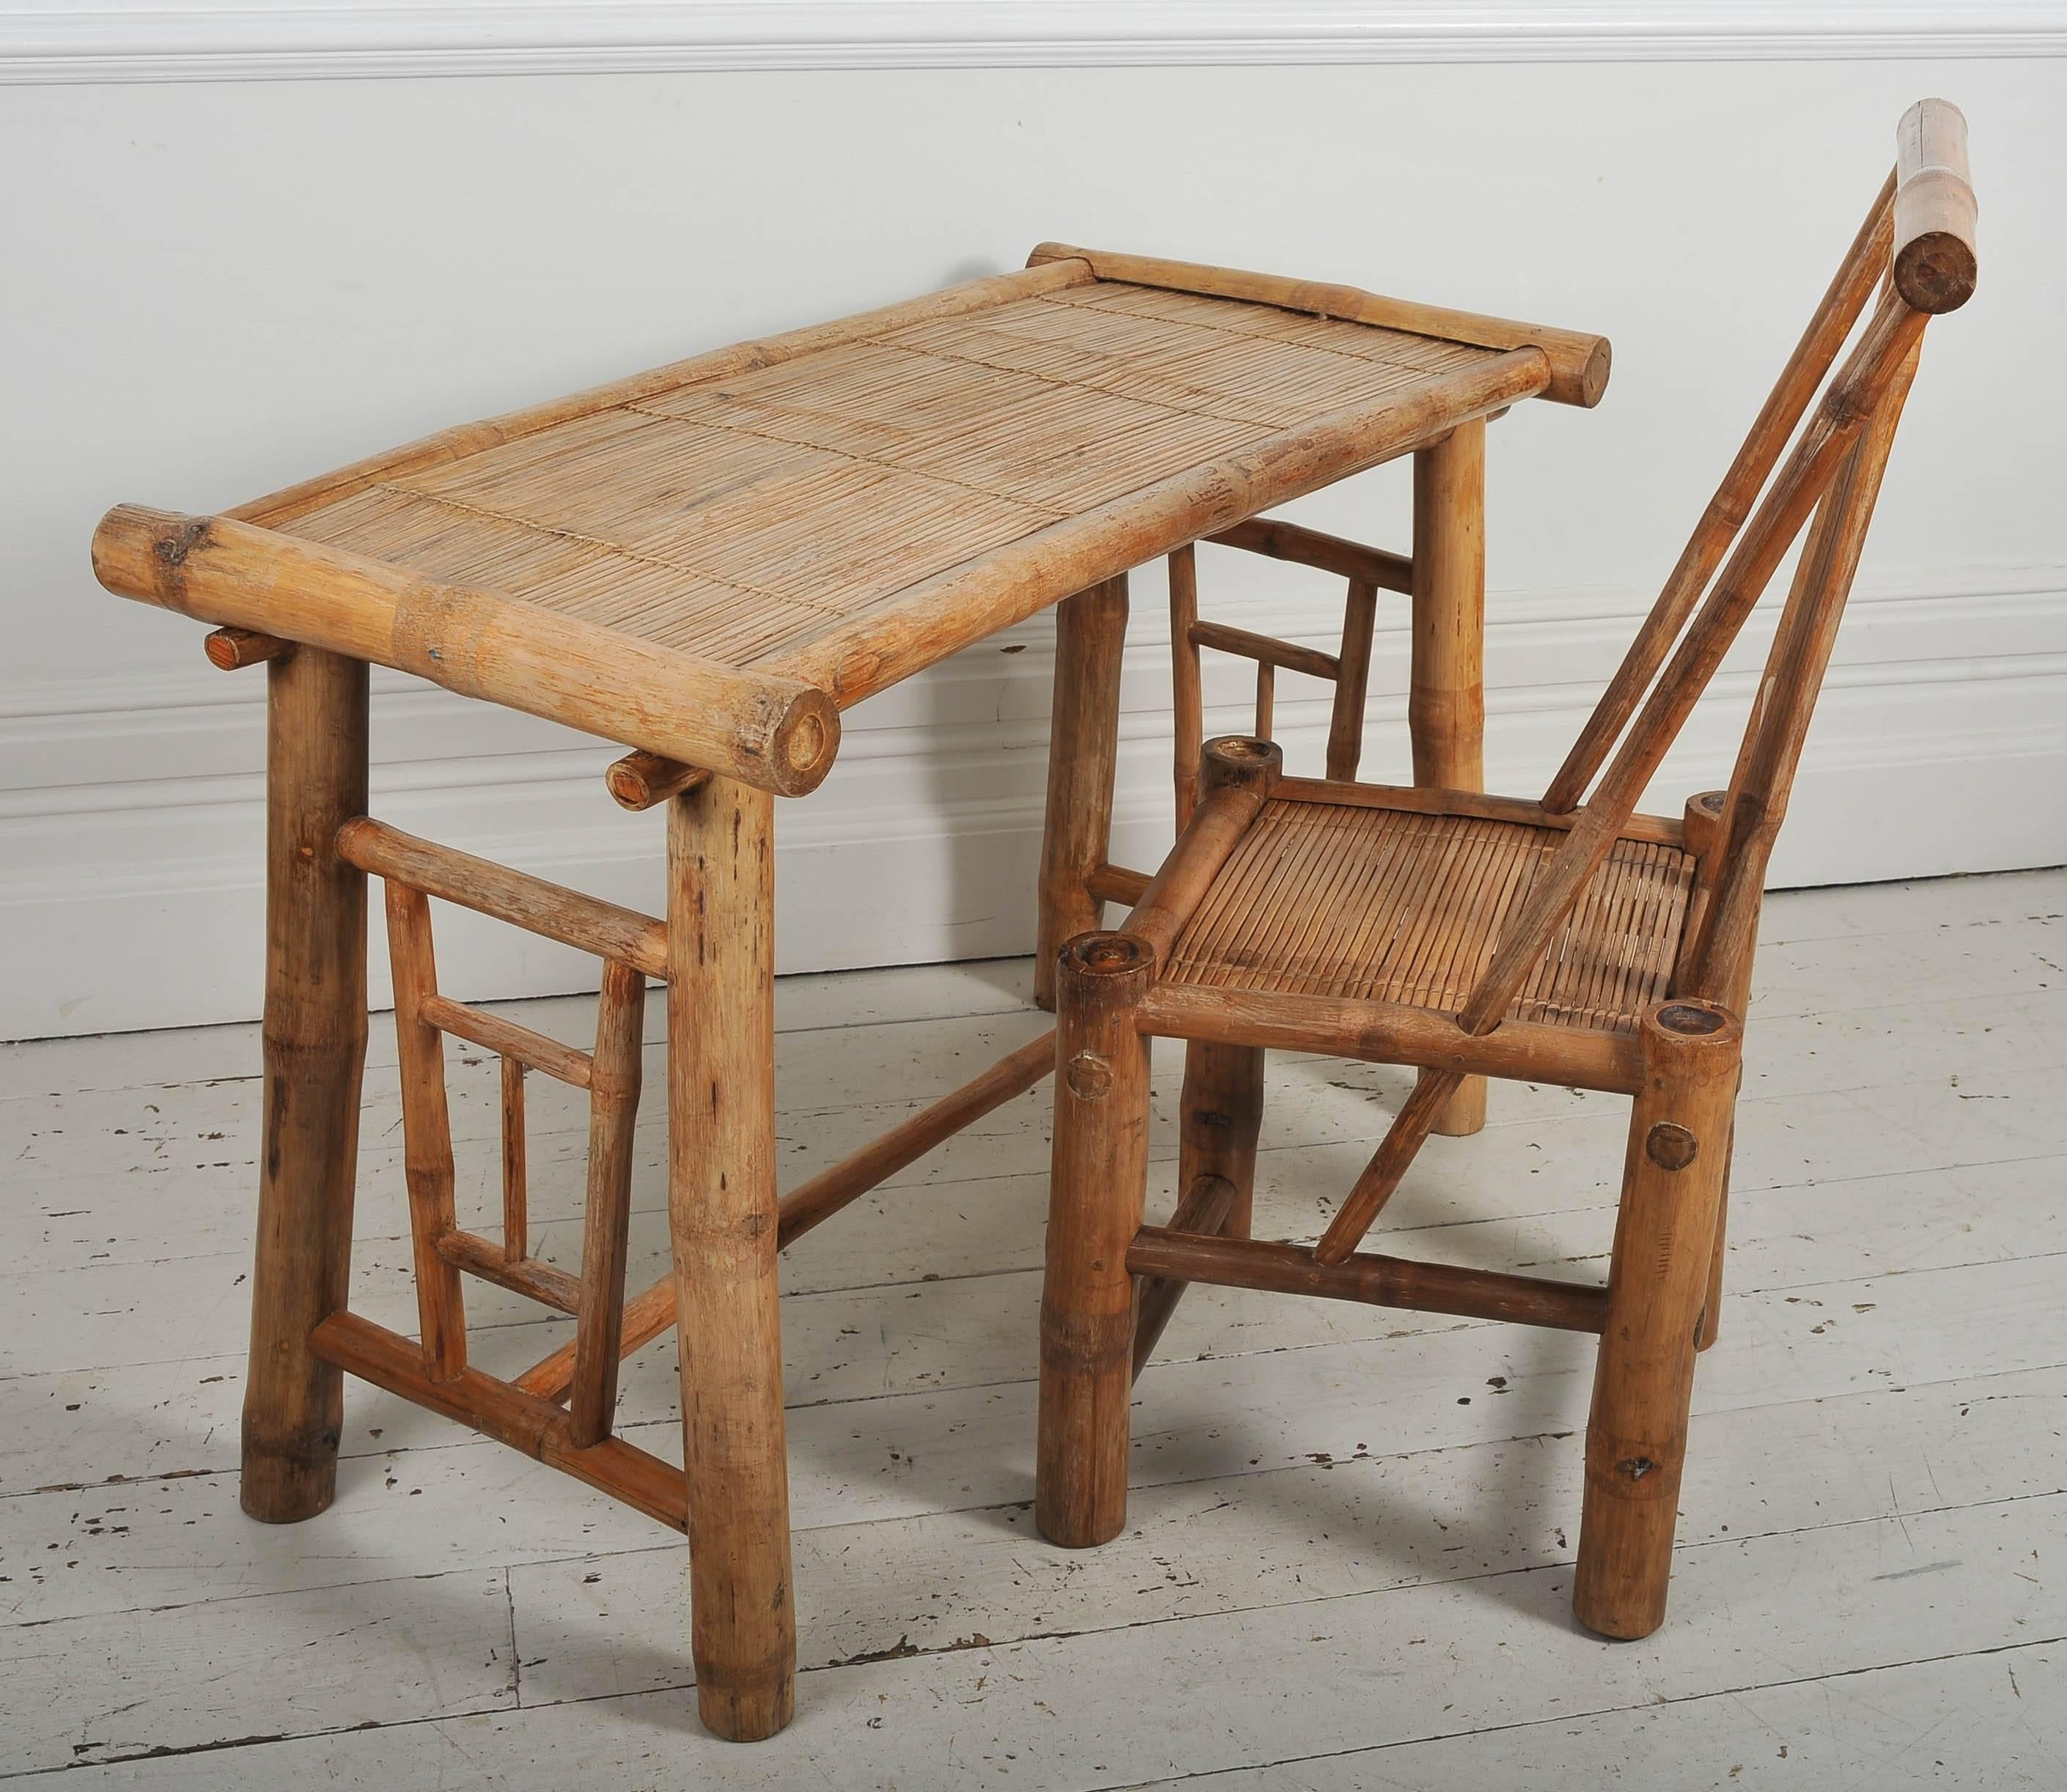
<point x="1222" y="1112"/>
<point x="1100" y="1180"/>
<point x="1643" y="1381"/>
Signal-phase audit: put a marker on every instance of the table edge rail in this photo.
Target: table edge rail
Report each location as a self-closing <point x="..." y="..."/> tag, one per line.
<point x="1580" y="364"/>
<point x="764" y="728"/>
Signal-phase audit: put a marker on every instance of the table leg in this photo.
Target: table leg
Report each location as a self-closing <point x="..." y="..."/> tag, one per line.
<point x="1083" y="748"/>
<point x="1446" y="699"/>
<point x="722" y="1217"/>
<point x="314" y="1050"/>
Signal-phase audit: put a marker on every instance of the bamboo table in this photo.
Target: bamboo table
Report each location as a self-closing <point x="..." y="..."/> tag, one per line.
<point x="707" y="563"/>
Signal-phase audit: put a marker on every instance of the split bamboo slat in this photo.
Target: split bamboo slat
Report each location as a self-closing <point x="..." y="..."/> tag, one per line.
<point x="708" y="562"/>
<point x="1471" y="934"/>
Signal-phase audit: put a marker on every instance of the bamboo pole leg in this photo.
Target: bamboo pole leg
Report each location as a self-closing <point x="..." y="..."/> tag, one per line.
<point x="1100" y="1180"/>
<point x="1222" y="1110"/>
<point x="722" y="1218"/>
<point x="1643" y="1379"/>
<point x="1083" y="745"/>
<point x="1446" y="697"/>
<point x="315" y="1048"/>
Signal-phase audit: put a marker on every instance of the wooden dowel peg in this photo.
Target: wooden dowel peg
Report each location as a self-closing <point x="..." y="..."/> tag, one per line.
<point x="231" y="649"/>
<point x="642" y="780"/>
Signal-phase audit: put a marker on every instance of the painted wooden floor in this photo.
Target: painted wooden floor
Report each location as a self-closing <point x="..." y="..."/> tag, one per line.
<point x="1350" y="1552"/>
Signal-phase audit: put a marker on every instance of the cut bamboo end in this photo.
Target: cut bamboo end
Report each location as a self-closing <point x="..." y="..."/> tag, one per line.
<point x="1702" y="826"/>
<point x="1935" y="211"/>
<point x="1684" y="1025"/>
<point x="642" y="780"/>
<point x="1242" y="762"/>
<point x="232" y="649"/>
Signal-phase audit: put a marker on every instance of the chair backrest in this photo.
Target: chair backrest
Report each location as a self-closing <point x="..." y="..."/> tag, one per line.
<point x="1917" y="247"/>
<point x="1917" y="244"/>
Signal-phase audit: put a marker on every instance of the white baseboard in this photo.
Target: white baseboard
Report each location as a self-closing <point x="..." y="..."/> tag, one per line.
<point x="131" y="813"/>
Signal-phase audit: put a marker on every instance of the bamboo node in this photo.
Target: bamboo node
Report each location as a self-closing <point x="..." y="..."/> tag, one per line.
<point x="1671" y="1146"/>
<point x="171" y="550"/>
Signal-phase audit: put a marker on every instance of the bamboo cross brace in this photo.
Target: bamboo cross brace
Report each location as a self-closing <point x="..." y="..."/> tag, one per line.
<point x="507" y="1414"/>
<point x="1171" y="1252"/>
<point x="651" y="1311"/>
<point x="1202" y="1211"/>
<point x="549" y="909"/>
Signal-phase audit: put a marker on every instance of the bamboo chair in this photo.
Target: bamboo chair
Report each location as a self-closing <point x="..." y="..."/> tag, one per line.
<point x="1570" y="940"/>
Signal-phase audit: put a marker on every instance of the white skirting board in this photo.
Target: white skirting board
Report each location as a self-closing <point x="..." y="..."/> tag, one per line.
<point x="131" y="893"/>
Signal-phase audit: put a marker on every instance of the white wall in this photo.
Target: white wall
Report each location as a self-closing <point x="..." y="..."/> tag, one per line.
<point x="214" y="287"/>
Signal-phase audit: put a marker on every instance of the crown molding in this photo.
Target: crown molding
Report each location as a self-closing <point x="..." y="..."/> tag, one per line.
<point x="65" y="41"/>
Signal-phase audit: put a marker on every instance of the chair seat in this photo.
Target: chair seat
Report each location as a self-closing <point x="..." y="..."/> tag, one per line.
<point x="1385" y="905"/>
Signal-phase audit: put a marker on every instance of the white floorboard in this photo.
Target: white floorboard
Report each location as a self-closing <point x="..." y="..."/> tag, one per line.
<point x="1349" y="1553"/>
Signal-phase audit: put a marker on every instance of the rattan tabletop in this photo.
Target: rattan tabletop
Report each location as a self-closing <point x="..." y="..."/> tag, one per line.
<point x="819" y="515"/>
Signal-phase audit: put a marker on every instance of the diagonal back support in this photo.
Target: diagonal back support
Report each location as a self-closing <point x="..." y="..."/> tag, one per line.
<point x="1864" y="264"/>
<point x="1835" y="455"/>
